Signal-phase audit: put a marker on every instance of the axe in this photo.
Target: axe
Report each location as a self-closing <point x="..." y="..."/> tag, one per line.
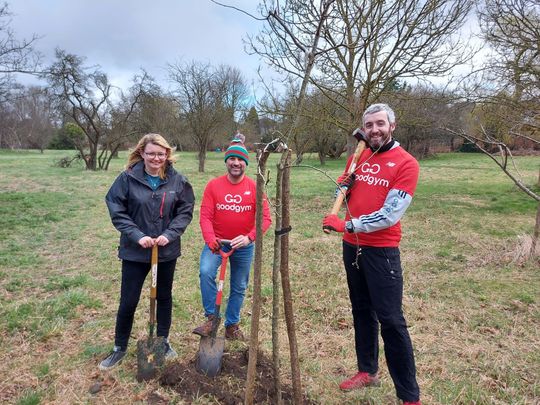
<point x="360" y="137"/>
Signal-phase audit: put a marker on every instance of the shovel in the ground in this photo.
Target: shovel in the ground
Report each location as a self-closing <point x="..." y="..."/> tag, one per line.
<point x="151" y="351"/>
<point x="211" y="347"/>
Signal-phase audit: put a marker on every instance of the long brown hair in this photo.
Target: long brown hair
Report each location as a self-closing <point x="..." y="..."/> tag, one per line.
<point x="156" y="139"/>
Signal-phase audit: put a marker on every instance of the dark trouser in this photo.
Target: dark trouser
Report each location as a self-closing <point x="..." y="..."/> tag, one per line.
<point x="133" y="275"/>
<point x="376" y="292"/>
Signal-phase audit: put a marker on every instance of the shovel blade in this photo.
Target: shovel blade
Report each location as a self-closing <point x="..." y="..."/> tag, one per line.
<point x="150" y="357"/>
<point x="210" y="355"/>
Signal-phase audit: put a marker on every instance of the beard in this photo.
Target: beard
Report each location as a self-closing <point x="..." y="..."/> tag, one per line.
<point x="235" y="171"/>
<point x="380" y="139"/>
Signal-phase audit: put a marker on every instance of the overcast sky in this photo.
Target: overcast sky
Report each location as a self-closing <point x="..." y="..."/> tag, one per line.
<point x="124" y="35"/>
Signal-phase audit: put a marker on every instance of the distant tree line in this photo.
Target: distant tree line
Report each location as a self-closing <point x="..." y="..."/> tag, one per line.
<point x="371" y="51"/>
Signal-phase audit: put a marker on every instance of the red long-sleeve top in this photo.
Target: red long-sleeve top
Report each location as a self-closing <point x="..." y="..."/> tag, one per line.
<point x="376" y="175"/>
<point x="228" y="210"/>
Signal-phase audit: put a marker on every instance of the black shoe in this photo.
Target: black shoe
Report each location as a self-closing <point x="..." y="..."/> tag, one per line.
<point x="113" y="359"/>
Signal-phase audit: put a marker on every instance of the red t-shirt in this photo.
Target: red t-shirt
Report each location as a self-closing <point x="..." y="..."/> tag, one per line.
<point x="228" y="210"/>
<point x="376" y="175"/>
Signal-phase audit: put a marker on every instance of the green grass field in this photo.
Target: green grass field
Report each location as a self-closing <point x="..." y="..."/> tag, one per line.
<point x="471" y="302"/>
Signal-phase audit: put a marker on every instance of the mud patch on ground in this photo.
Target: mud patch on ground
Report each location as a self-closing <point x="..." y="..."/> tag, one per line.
<point x="228" y="387"/>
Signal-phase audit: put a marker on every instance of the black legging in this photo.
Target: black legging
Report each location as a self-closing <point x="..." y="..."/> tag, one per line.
<point x="133" y="275"/>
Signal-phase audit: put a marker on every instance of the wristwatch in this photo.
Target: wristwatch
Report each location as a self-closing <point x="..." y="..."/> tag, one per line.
<point x="349" y="227"/>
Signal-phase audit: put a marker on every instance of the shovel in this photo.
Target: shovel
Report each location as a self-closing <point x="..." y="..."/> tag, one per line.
<point x="151" y="351"/>
<point x="211" y="347"/>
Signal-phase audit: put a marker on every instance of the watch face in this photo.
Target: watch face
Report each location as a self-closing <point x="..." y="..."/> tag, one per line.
<point x="349" y="226"/>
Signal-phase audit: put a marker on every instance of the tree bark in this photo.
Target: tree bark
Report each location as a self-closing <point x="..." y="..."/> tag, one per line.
<point x="536" y="234"/>
<point x="275" y="280"/>
<point x="202" y="158"/>
<point x="322" y="158"/>
<point x="286" y="285"/>
<point x="257" y="269"/>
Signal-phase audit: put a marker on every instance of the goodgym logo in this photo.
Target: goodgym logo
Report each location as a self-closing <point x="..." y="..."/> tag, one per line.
<point x="233" y="204"/>
<point x="372" y="169"/>
<point x="368" y="177"/>
<point x="236" y="199"/>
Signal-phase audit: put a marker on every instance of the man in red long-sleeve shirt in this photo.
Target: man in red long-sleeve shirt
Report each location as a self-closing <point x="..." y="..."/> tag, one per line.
<point x="228" y="212"/>
<point x="378" y="194"/>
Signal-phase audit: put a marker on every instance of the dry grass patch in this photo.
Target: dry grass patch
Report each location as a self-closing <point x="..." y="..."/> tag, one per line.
<point x="470" y="299"/>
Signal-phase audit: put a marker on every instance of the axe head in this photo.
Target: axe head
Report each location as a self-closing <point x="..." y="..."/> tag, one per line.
<point x="359" y="135"/>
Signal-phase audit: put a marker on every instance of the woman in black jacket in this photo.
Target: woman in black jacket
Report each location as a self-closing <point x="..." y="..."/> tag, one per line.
<point x="149" y="203"/>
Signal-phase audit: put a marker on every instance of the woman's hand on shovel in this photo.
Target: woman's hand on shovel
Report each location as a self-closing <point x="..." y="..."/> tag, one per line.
<point x="161" y="240"/>
<point x="146" y="242"/>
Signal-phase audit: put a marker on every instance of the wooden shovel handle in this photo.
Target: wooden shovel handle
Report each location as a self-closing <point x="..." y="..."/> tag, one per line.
<point x="153" y="284"/>
<point x="341" y="195"/>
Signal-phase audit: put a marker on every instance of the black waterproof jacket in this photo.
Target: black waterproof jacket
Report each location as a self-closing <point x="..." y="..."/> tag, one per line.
<point x="136" y="211"/>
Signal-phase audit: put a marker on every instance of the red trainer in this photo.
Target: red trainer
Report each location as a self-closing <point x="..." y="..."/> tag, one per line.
<point x="360" y="380"/>
<point x="412" y="403"/>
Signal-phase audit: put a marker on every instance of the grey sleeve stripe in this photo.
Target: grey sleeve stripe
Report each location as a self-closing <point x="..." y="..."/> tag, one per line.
<point x="395" y="205"/>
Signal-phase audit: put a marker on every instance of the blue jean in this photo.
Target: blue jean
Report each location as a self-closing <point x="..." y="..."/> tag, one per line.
<point x="238" y="270"/>
<point x="375" y="283"/>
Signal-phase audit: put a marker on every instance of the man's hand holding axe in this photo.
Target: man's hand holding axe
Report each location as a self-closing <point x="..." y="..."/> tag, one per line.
<point x="331" y="221"/>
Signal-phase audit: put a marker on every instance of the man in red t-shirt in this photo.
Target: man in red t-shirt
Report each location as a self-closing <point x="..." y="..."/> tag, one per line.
<point x="228" y="212"/>
<point x="378" y="195"/>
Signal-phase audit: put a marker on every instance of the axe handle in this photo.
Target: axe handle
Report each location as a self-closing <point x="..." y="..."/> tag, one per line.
<point x="341" y="195"/>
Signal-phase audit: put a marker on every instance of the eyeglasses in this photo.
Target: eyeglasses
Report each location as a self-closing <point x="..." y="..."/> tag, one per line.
<point x="153" y="155"/>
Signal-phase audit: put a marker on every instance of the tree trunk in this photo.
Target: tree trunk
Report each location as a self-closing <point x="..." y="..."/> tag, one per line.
<point x="536" y="233"/>
<point x="257" y="270"/>
<point x="275" y="281"/>
<point x="102" y="159"/>
<point x="114" y="153"/>
<point x="322" y="158"/>
<point x="286" y="285"/>
<point x="91" y="160"/>
<point x="202" y="158"/>
<point x="452" y="143"/>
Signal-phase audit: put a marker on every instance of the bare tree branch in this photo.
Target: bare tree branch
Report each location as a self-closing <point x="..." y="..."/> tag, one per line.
<point x="238" y="9"/>
<point x="502" y="163"/>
